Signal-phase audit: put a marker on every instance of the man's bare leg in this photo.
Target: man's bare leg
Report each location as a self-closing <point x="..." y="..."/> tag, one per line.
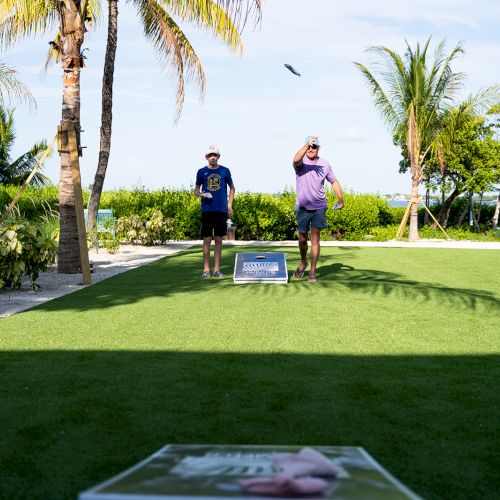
<point x="207" y="240"/>
<point x="218" y="252"/>
<point x="315" y="249"/>
<point x="303" y="251"/>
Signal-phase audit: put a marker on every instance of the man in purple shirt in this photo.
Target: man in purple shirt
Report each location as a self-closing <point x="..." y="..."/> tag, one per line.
<point x="310" y="209"/>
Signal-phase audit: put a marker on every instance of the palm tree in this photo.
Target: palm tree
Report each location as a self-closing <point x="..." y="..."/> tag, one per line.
<point x="16" y="171"/>
<point x="412" y="96"/>
<point x="19" y="18"/>
<point x="172" y="45"/>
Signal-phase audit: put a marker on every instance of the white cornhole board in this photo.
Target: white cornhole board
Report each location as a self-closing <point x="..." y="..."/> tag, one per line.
<point x="264" y="267"/>
<point x="212" y="472"/>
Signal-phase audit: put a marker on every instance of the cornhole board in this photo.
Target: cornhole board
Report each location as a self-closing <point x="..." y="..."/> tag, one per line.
<point x="196" y="472"/>
<point x="264" y="267"/>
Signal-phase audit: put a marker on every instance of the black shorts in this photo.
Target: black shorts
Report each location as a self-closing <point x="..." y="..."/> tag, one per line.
<point x="213" y="224"/>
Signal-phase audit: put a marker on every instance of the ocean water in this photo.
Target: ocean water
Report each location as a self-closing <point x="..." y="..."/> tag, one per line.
<point x="403" y="203"/>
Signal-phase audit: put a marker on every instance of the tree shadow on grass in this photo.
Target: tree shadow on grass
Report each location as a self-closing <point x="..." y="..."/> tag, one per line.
<point x="180" y="274"/>
<point x="374" y="282"/>
<point x="71" y="419"/>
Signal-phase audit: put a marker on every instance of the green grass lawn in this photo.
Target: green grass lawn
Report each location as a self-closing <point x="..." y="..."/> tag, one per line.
<point x="395" y="350"/>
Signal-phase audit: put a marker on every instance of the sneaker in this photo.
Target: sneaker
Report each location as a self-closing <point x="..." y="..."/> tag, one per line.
<point x="206" y="275"/>
<point x="218" y="275"/>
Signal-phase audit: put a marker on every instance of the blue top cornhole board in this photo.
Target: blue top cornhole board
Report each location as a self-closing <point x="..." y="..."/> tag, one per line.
<point x="264" y="267"/>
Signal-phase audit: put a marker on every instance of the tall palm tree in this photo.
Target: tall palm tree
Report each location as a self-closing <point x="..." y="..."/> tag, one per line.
<point x="16" y="171"/>
<point x="412" y="96"/>
<point x="21" y="18"/>
<point x="218" y="17"/>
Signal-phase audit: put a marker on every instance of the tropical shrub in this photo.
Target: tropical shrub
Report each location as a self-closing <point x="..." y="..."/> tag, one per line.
<point x="24" y="251"/>
<point x="181" y="206"/>
<point x="131" y="229"/>
<point x="359" y="215"/>
<point x="156" y="231"/>
<point x="264" y="216"/>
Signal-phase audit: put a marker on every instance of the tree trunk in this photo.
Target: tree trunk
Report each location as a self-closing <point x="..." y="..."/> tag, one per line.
<point x="427" y="203"/>
<point x="494" y="220"/>
<point x="444" y="213"/>
<point x="413" y="233"/>
<point x="72" y="36"/>
<point x="106" y="116"/>
<point x="473" y="214"/>
<point x="463" y="214"/>
<point x="413" y="147"/>
<point x="480" y="208"/>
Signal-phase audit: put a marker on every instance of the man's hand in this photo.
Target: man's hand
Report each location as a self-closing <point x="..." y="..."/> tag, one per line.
<point x="338" y="206"/>
<point x="230" y="211"/>
<point x="313" y="140"/>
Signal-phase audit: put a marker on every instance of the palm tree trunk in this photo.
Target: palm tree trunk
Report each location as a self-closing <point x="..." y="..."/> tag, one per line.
<point x="413" y="146"/>
<point x="106" y="115"/>
<point x="413" y="233"/>
<point x="72" y="36"/>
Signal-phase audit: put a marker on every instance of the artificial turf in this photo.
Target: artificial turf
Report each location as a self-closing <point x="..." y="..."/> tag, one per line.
<point x="394" y="349"/>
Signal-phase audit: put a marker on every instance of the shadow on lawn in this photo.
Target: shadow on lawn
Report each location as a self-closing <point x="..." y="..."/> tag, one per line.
<point x="71" y="419"/>
<point x="180" y="273"/>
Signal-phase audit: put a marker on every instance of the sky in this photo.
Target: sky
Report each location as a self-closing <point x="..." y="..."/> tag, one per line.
<point x="255" y="110"/>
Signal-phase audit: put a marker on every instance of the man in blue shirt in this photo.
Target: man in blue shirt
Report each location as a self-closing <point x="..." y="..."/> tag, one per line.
<point x="211" y="187"/>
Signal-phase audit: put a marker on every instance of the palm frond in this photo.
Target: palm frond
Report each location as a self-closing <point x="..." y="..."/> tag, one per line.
<point x="383" y="102"/>
<point x="26" y="18"/>
<point x="53" y="54"/>
<point x="173" y="47"/>
<point x="206" y="14"/>
<point x="15" y="90"/>
<point x="239" y="11"/>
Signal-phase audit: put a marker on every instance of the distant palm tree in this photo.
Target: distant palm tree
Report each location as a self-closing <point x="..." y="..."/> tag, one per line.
<point x="16" y="171"/>
<point x="172" y="45"/>
<point x="15" y="90"/>
<point x="412" y="96"/>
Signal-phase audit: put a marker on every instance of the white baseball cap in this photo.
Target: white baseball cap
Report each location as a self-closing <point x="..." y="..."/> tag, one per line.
<point x="212" y="150"/>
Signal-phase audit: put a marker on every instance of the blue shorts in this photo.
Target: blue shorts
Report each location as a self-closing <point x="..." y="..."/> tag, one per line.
<point x="307" y="219"/>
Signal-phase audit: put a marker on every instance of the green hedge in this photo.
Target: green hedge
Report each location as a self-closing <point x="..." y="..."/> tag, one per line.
<point x="180" y="205"/>
<point x="34" y="202"/>
<point x="257" y="216"/>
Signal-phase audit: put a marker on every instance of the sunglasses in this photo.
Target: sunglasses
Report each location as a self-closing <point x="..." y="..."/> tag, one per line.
<point x="212" y="154"/>
<point x="314" y="146"/>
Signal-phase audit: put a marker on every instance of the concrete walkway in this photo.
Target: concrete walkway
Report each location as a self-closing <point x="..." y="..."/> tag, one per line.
<point x="130" y="257"/>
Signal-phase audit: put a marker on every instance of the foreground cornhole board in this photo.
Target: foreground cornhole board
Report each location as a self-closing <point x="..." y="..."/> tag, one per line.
<point x="202" y="472"/>
<point x="264" y="267"/>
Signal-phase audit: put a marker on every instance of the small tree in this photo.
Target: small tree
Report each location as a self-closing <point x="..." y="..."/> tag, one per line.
<point x="470" y="160"/>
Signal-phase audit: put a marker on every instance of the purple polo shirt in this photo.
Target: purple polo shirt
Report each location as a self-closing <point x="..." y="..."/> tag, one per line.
<point x="310" y="178"/>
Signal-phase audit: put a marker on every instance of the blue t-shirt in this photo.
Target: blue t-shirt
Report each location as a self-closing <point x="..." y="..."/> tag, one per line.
<point x="214" y="181"/>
